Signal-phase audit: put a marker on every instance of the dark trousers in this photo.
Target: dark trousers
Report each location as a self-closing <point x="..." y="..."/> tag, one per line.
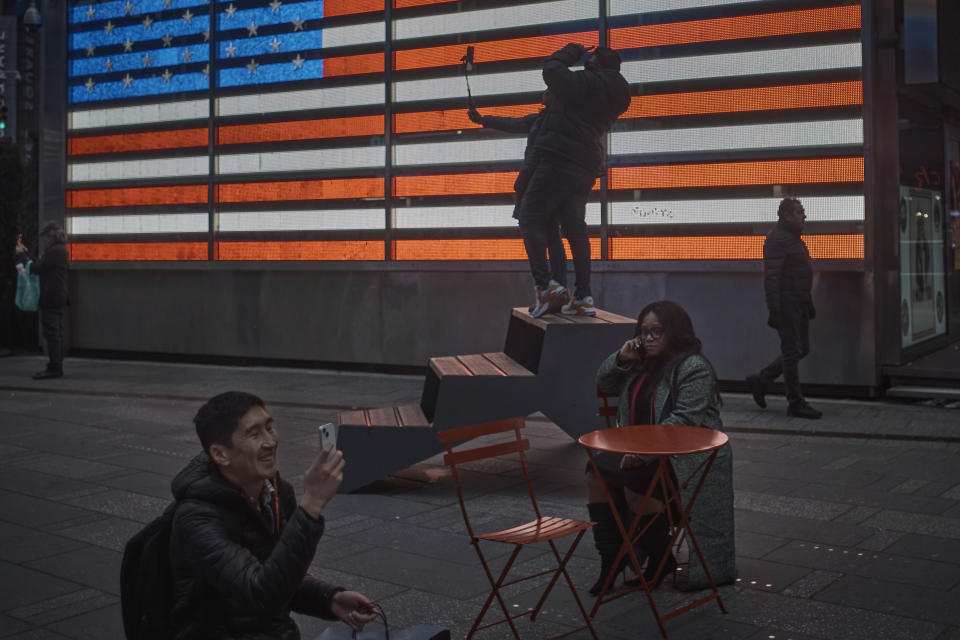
<point x="556" y="198"/>
<point x="794" y="345"/>
<point x="51" y="325"/>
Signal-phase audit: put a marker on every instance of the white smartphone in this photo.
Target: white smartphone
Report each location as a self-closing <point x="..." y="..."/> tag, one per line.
<point x="327" y="434"/>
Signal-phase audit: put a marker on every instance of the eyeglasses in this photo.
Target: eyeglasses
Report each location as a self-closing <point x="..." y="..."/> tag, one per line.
<point x="653" y="333"/>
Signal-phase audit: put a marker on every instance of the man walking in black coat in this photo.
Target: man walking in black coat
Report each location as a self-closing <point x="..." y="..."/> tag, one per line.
<point x="241" y="544"/>
<point x="569" y="157"/>
<point x="788" y="281"/>
<point x="52" y="268"/>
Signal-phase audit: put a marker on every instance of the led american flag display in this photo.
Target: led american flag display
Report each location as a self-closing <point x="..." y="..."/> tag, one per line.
<point x="256" y="130"/>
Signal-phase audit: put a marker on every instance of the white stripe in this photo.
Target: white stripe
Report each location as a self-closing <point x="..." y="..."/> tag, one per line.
<point x="629" y="7"/>
<point x="723" y="65"/>
<point x="300" y="100"/>
<point x="732" y="210"/>
<point x="138" y="223"/>
<point x="500" y="18"/>
<point x="455" y="87"/>
<point x="782" y="135"/>
<point x="311" y="159"/>
<point x="489" y="216"/>
<point x="353" y="34"/>
<point x="459" y="152"/>
<point x="138" y="169"/>
<point x="317" y="220"/>
<point x="120" y="116"/>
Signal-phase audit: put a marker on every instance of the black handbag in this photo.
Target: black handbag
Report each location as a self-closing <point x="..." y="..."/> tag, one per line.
<point x="418" y="632"/>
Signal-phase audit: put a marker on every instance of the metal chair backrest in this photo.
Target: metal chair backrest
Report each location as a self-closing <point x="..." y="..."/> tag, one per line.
<point x="607" y="411"/>
<point x="450" y="437"/>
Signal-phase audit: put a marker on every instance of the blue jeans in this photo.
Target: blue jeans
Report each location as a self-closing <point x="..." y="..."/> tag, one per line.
<point x="555" y="200"/>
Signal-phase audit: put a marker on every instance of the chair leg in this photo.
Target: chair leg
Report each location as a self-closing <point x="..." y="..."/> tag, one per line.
<point x="495" y="592"/>
<point x="588" y="623"/>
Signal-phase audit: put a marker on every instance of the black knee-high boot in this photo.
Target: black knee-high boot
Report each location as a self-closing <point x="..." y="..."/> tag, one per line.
<point x="656" y="542"/>
<point x="606" y="538"/>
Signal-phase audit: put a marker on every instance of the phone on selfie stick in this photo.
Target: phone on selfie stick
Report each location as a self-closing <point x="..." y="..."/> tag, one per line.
<point x="327" y="433"/>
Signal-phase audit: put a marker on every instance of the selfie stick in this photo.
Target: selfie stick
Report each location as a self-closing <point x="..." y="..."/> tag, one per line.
<point x="467" y="61"/>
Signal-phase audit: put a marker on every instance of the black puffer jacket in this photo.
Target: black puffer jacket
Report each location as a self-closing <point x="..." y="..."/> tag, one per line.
<point x="233" y="578"/>
<point x="52" y="268"/>
<point x="585" y="105"/>
<point x="787" y="268"/>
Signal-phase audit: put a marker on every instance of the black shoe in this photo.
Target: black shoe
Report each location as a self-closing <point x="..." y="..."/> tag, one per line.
<point x="605" y="564"/>
<point x="804" y="411"/>
<point x="759" y="390"/>
<point x="668" y="568"/>
<point x="47" y="373"/>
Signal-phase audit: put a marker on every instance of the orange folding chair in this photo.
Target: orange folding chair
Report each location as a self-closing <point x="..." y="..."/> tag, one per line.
<point x="607" y="411"/>
<point x="542" y="529"/>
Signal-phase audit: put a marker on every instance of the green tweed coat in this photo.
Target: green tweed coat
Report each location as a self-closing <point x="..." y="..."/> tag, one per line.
<point x="686" y="395"/>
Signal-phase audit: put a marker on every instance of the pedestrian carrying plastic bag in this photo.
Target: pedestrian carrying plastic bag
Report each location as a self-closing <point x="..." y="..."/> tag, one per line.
<point x="28" y="290"/>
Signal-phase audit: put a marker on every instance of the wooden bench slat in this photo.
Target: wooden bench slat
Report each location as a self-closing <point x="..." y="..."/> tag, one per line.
<point x="614" y="318"/>
<point x="479" y="366"/>
<point x="448" y="366"/>
<point x="411" y="415"/>
<point x="382" y="417"/>
<point x="352" y="418"/>
<point x="507" y="364"/>
<point x="587" y="319"/>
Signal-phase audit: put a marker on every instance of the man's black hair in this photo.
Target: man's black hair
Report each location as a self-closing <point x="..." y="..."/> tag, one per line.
<point x="218" y="418"/>
<point x="608" y="58"/>
<point x="786" y="205"/>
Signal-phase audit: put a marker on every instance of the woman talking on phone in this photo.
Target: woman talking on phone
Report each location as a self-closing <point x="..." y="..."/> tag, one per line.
<point x="661" y="377"/>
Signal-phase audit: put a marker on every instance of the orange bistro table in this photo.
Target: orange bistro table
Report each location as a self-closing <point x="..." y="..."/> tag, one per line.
<point x="662" y="441"/>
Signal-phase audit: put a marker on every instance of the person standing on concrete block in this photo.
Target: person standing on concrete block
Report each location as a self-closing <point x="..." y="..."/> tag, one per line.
<point x="52" y="267"/>
<point x="569" y="157"/>
<point x="788" y="285"/>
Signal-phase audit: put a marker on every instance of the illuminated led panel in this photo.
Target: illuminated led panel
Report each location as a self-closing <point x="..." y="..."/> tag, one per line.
<point x="629" y="7"/>
<point x="301" y="250"/>
<point x="138" y="114"/>
<point x="305" y="99"/>
<point x="731" y="210"/>
<point x="311" y="220"/>
<point x="138" y="169"/>
<point x="822" y="247"/>
<point x="785" y="135"/>
<point x="314" y="159"/>
<point x="301" y="130"/>
<point x="470" y="249"/>
<point x="353" y="34"/>
<point x="137" y="196"/>
<point x="730" y="174"/>
<point x="147" y="141"/>
<point x="138" y="251"/>
<point x="502" y="149"/>
<point x="468" y="216"/>
<point x="480" y="85"/>
<point x="292" y="190"/>
<point x="500" y="18"/>
<point x="165" y="222"/>
<point x="723" y="65"/>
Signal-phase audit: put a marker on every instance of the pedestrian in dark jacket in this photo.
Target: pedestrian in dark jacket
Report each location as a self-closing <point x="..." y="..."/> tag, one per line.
<point x="240" y="544"/>
<point x="788" y="283"/>
<point x="52" y="267"/>
<point x="569" y="157"/>
<point x="530" y="124"/>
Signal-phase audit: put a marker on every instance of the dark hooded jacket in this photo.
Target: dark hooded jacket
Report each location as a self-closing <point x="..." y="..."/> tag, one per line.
<point x="234" y="578"/>
<point x="787" y="268"/>
<point x="585" y="105"/>
<point x="52" y="268"/>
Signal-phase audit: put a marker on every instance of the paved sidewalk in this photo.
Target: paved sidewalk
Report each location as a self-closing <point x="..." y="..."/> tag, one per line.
<point x="840" y="534"/>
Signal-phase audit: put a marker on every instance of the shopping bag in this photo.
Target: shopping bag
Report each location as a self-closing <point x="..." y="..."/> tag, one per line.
<point x="28" y="290"/>
<point x="419" y="632"/>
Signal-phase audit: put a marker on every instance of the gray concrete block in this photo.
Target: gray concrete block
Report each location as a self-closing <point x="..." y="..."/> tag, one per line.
<point x="914" y="523"/>
<point x="126" y="504"/>
<point x="112" y="533"/>
<point x="66" y="606"/>
<point x="768" y="576"/>
<point x="895" y="599"/>
<point x="36" y="512"/>
<point x="92" y="625"/>
<point x="800" y="529"/>
<point x="66" y="467"/>
<point x="22" y="586"/>
<point x="933" y="548"/>
<point x="94" y="567"/>
<point x="788" y="505"/>
<point x="22" y="544"/>
<point x="869" y="496"/>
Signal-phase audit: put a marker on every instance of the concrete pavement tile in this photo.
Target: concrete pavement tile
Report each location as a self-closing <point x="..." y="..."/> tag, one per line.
<point x="828" y="620"/>
<point x="93" y="625"/>
<point x="928" y="547"/>
<point x="37" y="634"/>
<point x="66" y="466"/>
<point x="914" y="523"/>
<point x="22" y="544"/>
<point x="112" y="533"/>
<point x="21" y="586"/>
<point x="908" y="486"/>
<point x="66" y="606"/>
<point x="166" y="463"/>
<point x="142" y="482"/>
<point x="787" y="505"/>
<point x="41" y="485"/>
<point x="881" y="566"/>
<point x="9" y="626"/>
<point x="869" y="496"/>
<point x="812" y="583"/>
<point x="857" y="514"/>
<point x="881" y="540"/>
<point x="92" y="567"/>
<point x="13" y="452"/>
<point x="767" y="576"/>
<point x="380" y="506"/>
<point x="433" y="544"/>
<point x="952" y="494"/>
<point x="35" y="512"/>
<point x="800" y="529"/>
<point x="126" y="504"/>
<point x="757" y="545"/>
<point x="950" y="633"/>
<point x="810" y="473"/>
<point x="896" y="599"/>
